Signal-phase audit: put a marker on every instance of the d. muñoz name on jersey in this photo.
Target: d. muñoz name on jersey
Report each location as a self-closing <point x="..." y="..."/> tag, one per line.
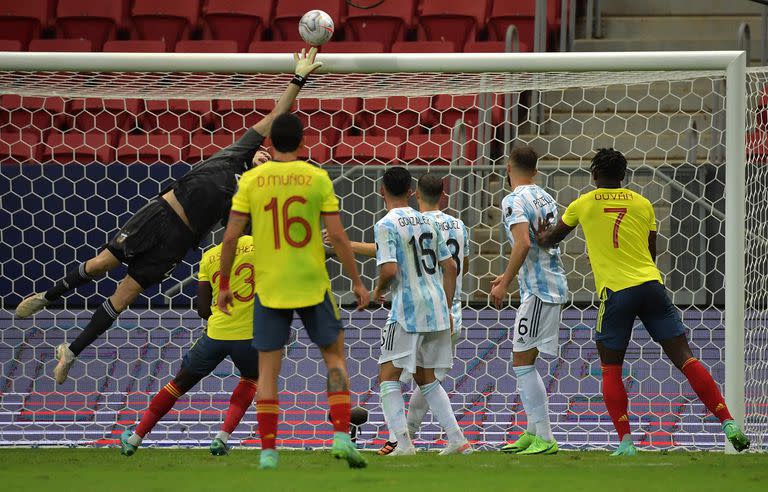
<point x="413" y="241"/>
<point x="456" y="237"/>
<point x="542" y="274"/>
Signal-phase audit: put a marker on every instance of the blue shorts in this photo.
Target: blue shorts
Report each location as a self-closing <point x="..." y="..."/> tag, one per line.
<point x="272" y="327"/>
<point x="207" y="353"/>
<point x="649" y="302"/>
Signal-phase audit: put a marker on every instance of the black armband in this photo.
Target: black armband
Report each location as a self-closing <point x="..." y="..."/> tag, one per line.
<point x="299" y="80"/>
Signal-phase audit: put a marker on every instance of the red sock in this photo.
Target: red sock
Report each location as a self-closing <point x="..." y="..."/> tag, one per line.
<point x="267" y="412"/>
<point x="241" y="399"/>
<point x="706" y="388"/>
<point x="615" y="398"/>
<point x="162" y="402"/>
<point x="340" y="409"/>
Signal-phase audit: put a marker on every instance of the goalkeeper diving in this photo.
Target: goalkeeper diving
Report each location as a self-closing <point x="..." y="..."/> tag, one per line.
<point x="158" y="236"/>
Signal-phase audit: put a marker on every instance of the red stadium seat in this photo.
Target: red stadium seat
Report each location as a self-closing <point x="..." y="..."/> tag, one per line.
<point x="80" y="148"/>
<point x="457" y="21"/>
<point x="385" y="23"/>
<point x="237" y="20"/>
<point x="276" y="46"/>
<point x="523" y="15"/>
<point x="18" y="145"/>
<point x="175" y="115"/>
<point x="107" y="115"/>
<point x="353" y="47"/>
<point x="10" y="45"/>
<point x="206" y="46"/>
<point x="96" y="21"/>
<point x="23" y="19"/>
<point x="41" y="113"/>
<point x="366" y="149"/>
<point x="429" y="149"/>
<point x="204" y="144"/>
<point x="316" y="150"/>
<point x="423" y="47"/>
<point x="240" y="115"/>
<point x="135" y="46"/>
<point x="396" y="116"/>
<point x="492" y="47"/>
<point x="170" y="20"/>
<point x="288" y="12"/>
<point x="150" y="149"/>
<point x="61" y="45"/>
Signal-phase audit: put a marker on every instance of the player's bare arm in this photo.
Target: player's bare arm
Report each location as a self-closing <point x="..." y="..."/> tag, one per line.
<point x="652" y="237"/>
<point x="235" y="227"/>
<point x="387" y="273"/>
<point x="204" y="294"/>
<point x="517" y="256"/>
<point x="548" y="236"/>
<point x="450" y="271"/>
<point x="341" y="246"/>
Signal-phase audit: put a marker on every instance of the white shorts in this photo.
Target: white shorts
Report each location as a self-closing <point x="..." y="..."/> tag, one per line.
<point x="536" y="326"/>
<point x="440" y="372"/>
<point x="407" y="351"/>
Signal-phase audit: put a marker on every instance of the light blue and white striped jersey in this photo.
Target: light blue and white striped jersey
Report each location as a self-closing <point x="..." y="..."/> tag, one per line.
<point x="413" y="241"/>
<point x="456" y="236"/>
<point x="542" y="274"/>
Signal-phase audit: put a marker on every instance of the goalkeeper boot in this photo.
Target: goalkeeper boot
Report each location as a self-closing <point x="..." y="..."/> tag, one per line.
<point x="626" y="448"/>
<point x="126" y="448"/>
<point x="522" y="443"/>
<point x="31" y="305"/>
<point x="540" y="446"/>
<point x="459" y="447"/>
<point x="268" y="459"/>
<point x="344" y="448"/>
<point x="388" y="447"/>
<point x="738" y="439"/>
<point x="219" y="447"/>
<point x="66" y="358"/>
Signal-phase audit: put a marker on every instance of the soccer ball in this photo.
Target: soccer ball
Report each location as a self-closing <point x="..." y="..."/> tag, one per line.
<point x="316" y="27"/>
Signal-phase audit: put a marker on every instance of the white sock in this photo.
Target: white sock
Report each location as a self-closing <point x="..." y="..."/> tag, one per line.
<point x="440" y="404"/>
<point x="417" y="409"/>
<point x="534" y="397"/>
<point x="394" y="411"/>
<point x="224" y="436"/>
<point x="134" y="440"/>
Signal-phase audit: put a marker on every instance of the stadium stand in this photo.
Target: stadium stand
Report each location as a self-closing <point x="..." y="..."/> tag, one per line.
<point x="207" y="46"/>
<point x="385" y="23"/>
<point x="456" y="21"/>
<point x="170" y="20"/>
<point x="135" y="46"/>
<point x="61" y="45"/>
<point x="23" y="20"/>
<point x="95" y="21"/>
<point x="236" y="20"/>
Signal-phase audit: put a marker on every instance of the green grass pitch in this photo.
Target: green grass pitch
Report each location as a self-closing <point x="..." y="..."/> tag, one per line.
<point x="189" y="470"/>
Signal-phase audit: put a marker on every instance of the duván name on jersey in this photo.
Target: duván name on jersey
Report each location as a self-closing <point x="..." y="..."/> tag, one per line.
<point x="614" y="195"/>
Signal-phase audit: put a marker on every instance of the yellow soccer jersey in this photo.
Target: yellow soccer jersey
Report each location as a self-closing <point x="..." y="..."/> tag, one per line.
<point x="238" y="326"/>
<point x="285" y="201"/>
<point x="616" y="223"/>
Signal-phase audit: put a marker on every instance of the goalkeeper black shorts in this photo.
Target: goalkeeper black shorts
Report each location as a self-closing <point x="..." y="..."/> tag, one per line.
<point x="152" y="243"/>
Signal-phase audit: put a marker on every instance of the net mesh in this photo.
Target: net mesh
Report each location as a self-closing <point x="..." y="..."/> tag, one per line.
<point x="81" y="152"/>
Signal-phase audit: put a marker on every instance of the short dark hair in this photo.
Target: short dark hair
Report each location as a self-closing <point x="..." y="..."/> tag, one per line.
<point x="397" y="181"/>
<point x="287" y="132"/>
<point x="524" y="158"/>
<point x="609" y="163"/>
<point x="431" y="187"/>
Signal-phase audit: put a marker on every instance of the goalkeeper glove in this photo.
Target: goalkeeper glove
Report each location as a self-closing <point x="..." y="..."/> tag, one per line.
<point x="305" y="65"/>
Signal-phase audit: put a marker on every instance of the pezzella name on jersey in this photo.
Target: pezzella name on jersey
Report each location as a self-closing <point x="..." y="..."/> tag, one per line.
<point x="413" y="220"/>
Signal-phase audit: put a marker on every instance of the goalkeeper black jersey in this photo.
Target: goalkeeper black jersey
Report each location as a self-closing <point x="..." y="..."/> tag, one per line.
<point x="206" y="191"/>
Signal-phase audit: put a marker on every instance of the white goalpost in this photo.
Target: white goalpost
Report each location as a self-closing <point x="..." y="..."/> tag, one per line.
<point x="87" y="137"/>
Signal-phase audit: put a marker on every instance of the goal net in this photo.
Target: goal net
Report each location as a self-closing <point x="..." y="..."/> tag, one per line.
<point x="83" y="150"/>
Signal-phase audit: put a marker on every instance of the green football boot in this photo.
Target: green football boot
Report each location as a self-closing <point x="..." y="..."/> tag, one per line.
<point x="626" y="448"/>
<point x="268" y="459"/>
<point x="126" y="448"/>
<point x="540" y="446"/>
<point x="738" y="439"/>
<point x="218" y="448"/>
<point x="344" y="448"/>
<point x="522" y="443"/>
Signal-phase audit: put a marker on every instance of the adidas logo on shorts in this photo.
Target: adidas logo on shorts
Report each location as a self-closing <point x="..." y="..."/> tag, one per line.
<point x="520" y="340"/>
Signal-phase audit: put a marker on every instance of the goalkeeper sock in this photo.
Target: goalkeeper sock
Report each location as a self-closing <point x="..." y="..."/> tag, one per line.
<point x="162" y="402"/>
<point x="394" y="411"/>
<point x="101" y="321"/>
<point x="241" y="399"/>
<point x="267" y="412"/>
<point x="534" y="398"/>
<point x="440" y="404"/>
<point x="615" y="398"/>
<point x="706" y="388"/>
<point x="340" y="410"/>
<point x="72" y="280"/>
<point x="417" y="409"/>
